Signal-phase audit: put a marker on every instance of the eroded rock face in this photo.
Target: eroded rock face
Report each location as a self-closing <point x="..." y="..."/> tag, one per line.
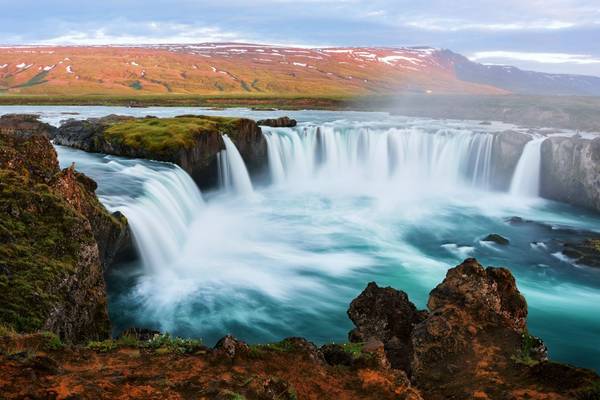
<point x="472" y="310"/>
<point x="387" y="315"/>
<point x="56" y="237"/>
<point x="571" y="171"/>
<point x="473" y="342"/>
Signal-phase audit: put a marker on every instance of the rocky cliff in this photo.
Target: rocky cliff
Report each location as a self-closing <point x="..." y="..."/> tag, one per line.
<point x="471" y="343"/>
<point x="571" y="171"/>
<point x="507" y="149"/>
<point x="56" y="237"/>
<point x="190" y="141"/>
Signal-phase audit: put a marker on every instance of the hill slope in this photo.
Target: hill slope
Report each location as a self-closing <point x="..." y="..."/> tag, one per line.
<point x="247" y="69"/>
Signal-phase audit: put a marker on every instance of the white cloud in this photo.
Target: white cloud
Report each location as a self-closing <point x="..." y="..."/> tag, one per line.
<point x="454" y="25"/>
<point x="144" y="33"/>
<point x="544" y="58"/>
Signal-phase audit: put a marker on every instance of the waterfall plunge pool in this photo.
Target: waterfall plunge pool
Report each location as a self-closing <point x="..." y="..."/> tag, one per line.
<point x="388" y="199"/>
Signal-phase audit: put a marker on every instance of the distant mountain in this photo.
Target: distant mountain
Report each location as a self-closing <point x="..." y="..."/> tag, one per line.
<point x="516" y="80"/>
<point x="251" y="69"/>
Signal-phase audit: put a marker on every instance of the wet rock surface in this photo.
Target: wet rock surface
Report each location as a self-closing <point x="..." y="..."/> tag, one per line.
<point x="571" y="171"/>
<point x="496" y="238"/>
<point x="281" y="122"/>
<point x="586" y="252"/>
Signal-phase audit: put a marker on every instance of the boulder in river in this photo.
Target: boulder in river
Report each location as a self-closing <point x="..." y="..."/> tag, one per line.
<point x="496" y="238"/>
<point x="281" y="122"/>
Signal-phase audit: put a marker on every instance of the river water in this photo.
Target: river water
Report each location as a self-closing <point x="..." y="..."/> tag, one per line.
<point x="351" y="198"/>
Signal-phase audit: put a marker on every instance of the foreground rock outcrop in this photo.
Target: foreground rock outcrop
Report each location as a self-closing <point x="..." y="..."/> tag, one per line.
<point x="471" y="343"/>
<point x="190" y="141"/>
<point x="571" y="171"/>
<point x="56" y="238"/>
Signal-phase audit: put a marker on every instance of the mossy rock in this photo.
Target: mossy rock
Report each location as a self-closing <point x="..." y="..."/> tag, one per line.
<point x="41" y="236"/>
<point x="166" y="136"/>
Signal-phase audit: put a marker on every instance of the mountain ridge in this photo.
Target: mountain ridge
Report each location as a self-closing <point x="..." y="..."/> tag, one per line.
<point x="257" y="69"/>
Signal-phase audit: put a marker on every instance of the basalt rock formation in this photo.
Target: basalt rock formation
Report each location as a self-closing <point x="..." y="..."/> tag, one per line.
<point x="571" y="171"/>
<point x="281" y="122"/>
<point x="55" y="236"/>
<point x="507" y="149"/>
<point x="190" y="141"/>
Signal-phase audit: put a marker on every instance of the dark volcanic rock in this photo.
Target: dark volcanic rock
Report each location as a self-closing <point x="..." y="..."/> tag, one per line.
<point x="571" y="171"/>
<point x="282" y="122"/>
<point x="473" y="343"/>
<point x="25" y="124"/>
<point x="334" y="354"/>
<point x="385" y="314"/>
<point x="498" y="239"/>
<point x="506" y="151"/>
<point x="586" y="252"/>
<point x="231" y="346"/>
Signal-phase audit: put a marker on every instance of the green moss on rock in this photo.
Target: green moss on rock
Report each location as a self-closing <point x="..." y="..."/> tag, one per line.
<point x="167" y="135"/>
<point x="38" y="249"/>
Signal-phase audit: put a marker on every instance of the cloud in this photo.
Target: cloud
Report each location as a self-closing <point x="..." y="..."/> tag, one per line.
<point x="152" y="32"/>
<point x="454" y="25"/>
<point x="544" y="58"/>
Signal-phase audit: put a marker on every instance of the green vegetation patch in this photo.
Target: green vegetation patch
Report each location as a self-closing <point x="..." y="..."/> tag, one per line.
<point x="167" y="135"/>
<point x="40" y="238"/>
<point x="160" y="343"/>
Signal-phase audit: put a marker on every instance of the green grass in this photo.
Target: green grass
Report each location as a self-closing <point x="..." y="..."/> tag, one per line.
<point x="355" y="349"/>
<point x="161" y="343"/>
<point x="528" y="343"/>
<point x="166" y="135"/>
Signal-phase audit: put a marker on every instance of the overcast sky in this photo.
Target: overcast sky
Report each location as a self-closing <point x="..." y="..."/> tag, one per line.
<point x="544" y="35"/>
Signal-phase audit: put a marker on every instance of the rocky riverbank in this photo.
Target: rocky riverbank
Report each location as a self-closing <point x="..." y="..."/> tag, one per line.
<point x="471" y="343"/>
<point x="192" y="142"/>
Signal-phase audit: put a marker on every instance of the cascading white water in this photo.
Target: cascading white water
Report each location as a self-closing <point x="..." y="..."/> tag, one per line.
<point x="443" y="158"/>
<point x="160" y="218"/>
<point x="233" y="174"/>
<point x="526" y="178"/>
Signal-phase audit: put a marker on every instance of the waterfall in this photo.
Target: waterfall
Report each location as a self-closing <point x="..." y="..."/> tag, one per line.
<point x="526" y="178"/>
<point x="233" y="174"/>
<point x="160" y="218"/>
<point x="443" y="158"/>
